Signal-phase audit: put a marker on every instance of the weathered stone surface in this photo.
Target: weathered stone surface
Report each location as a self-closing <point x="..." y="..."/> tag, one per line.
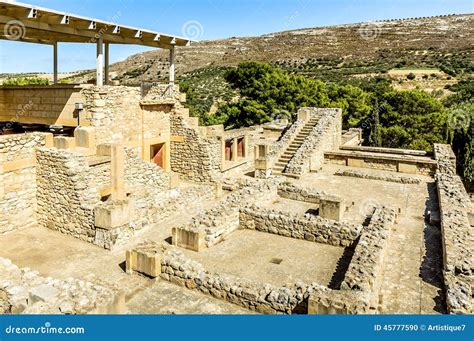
<point x="24" y="291"/>
<point x="307" y="227"/>
<point x="457" y="233"/>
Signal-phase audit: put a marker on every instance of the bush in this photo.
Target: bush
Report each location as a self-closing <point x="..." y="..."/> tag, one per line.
<point x="26" y="81"/>
<point x="411" y="76"/>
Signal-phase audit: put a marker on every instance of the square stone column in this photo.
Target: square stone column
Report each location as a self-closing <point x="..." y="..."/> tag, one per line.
<point x="117" y="172"/>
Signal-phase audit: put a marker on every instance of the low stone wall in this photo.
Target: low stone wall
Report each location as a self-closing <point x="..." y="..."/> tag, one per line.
<point x="18" y="205"/>
<point x="308" y="227"/>
<point x="214" y="224"/>
<point x="365" y="270"/>
<point x="457" y="233"/>
<point x="261" y="297"/>
<point x="66" y="194"/>
<point x="409" y="164"/>
<point x="326" y="136"/>
<point x="139" y="173"/>
<point x="401" y="179"/>
<point x="23" y="291"/>
<point x="305" y="194"/>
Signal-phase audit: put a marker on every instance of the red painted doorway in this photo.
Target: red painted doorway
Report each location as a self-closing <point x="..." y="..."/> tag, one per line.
<point x="157" y="154"/>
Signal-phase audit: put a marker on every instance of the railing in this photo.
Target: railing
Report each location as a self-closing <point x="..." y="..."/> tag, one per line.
<point x="159" y="89"/>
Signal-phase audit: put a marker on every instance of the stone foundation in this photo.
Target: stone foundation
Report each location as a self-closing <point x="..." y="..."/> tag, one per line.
<point x="307" y="227"/>
<point x="23" y="291"/>
<point x="456" y="232"/>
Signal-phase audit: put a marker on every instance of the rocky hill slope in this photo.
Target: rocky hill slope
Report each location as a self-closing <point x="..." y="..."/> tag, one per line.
<point x="354" y="48"/>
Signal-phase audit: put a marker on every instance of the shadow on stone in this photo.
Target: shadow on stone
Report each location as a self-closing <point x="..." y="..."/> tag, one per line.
<point x="342" y="266"/>
<point x="431" y="269"/>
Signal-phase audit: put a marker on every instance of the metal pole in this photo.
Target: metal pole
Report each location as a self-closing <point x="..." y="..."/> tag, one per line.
<point x="55" y="63"/>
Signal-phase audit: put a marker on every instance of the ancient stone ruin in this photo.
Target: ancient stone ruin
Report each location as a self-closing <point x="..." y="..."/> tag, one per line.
<point x="140" y="204"/>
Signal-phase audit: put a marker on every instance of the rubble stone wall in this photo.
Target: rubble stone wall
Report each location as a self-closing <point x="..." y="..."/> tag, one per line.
<point x="325" y="136"/>
<point x="196" y="158"/>
<point x="456" y="232"/>
<point x="305" y="194"/>
<point x="223" y="218"/>
<point x="311" y="228"/>
<point x="117" y="114"/>
<point x="67" y="193"/>
<point x="139" y="173"/>
<point x="18" y="203"/>
<point x="365" y="269"/>
<point x="23" y="291"/>
<point x="261" y="297"/>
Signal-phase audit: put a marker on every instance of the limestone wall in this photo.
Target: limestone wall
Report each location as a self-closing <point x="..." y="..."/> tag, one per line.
<point x="457" y="233"/>
<point x="194" y="157"/>
<point x="139" y="173"/>
<point x="23" y="291"/>
<point x="118" y="114"/>
<point x="18" y="203"/>
<point x="402" y="163"/>
<point x="277" y="148"/>
<point x="52" y="105"/>
<point x="67" y="193"/>
<point x="311" y="228"/>
<point x="326" y="136"/>
<point x="365" y="270"/>
<point x="305" y="194"/>
<point x="261" y="297"/>
<point x="215" y="223"/>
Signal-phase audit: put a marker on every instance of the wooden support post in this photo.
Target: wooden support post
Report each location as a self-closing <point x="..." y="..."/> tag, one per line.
<point x="100" y="62"/>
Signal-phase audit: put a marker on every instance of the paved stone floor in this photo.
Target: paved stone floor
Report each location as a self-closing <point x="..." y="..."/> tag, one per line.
<point x="412" y="279"/>
<point x="252" y="254"/>
<point x="166" y="298"/>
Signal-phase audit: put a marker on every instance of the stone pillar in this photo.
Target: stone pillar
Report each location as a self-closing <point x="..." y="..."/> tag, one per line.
<point x="330" y="208"/>
<point x="117" y="172"/>
<point x="262" y="162"/>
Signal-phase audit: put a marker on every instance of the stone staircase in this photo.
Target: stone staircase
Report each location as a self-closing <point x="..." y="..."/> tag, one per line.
<point x="282" y="163"/>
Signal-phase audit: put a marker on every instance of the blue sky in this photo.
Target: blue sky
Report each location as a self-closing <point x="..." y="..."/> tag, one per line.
<point x="218" y="19"/>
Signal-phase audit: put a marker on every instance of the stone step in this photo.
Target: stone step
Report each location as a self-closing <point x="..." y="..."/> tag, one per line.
<point x="285" y="158"/>
<point x="299" y="139"/>
<point x="281" y="164"/>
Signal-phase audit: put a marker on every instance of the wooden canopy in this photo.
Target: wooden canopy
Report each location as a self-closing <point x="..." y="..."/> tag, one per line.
<point x="28" y="23"/>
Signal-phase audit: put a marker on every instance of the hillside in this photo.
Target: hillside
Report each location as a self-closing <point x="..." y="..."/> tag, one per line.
<point x="365" y="48"/>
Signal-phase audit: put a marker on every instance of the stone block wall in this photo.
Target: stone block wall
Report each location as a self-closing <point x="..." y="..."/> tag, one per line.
<point x="365" y="270"/>
<point x="456" y="232"/>
<point x="307" y="227"/>
<point x="214" y="224"/>
<point x="260" y="297"/>
<point x="51" y="105"/>
<point x="326" y="136"/>
<point x="140" y="173"/>
<point x="119" y="114"/>
<point x="195" y="157"/>
<point x="18" y="203"/>
<point x="67" y="193"/>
